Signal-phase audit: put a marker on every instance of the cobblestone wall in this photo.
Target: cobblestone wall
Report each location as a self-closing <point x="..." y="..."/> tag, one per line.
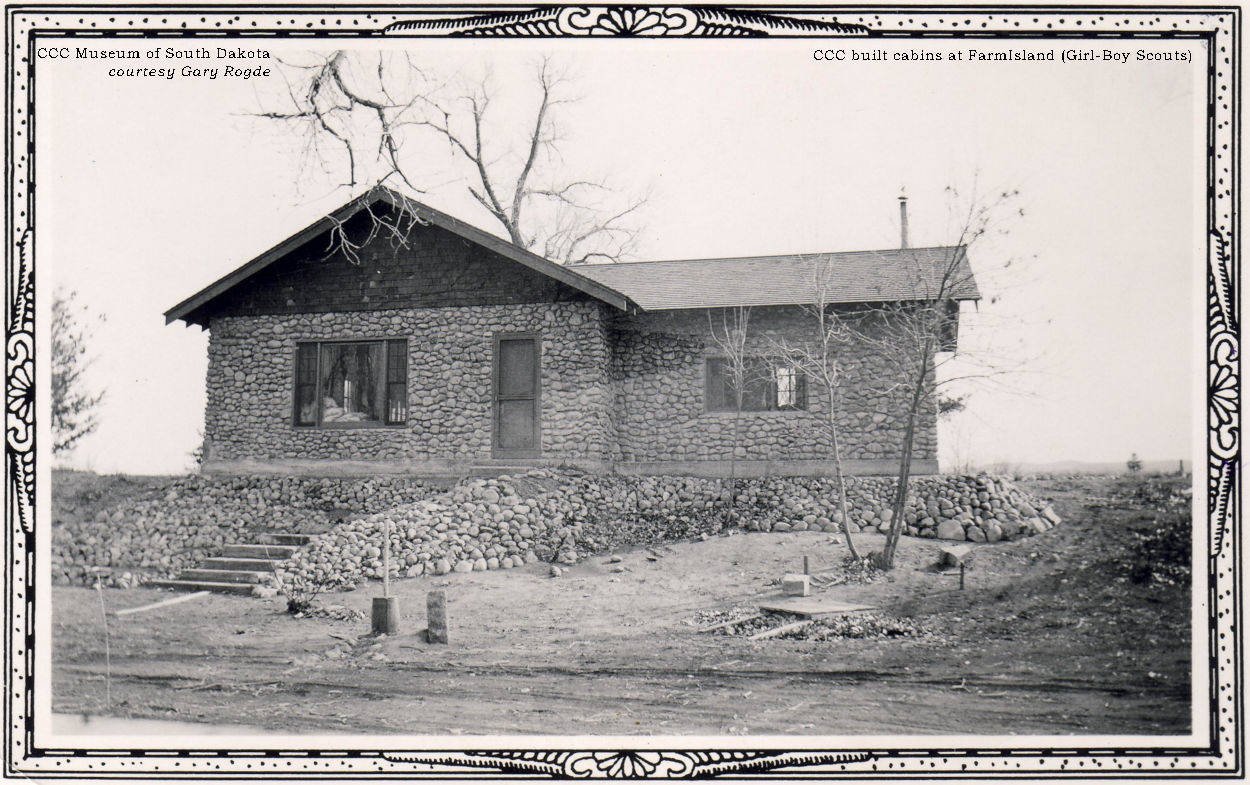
<point x="658" y="371"/>
<point x="251" y="366"/>
<point x="614" y="388"/>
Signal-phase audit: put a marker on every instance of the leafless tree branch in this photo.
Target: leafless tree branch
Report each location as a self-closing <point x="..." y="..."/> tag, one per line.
<point x="366" y="111"/>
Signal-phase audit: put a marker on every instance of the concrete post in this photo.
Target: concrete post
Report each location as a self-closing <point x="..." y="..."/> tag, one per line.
<point x="436" y="617"/>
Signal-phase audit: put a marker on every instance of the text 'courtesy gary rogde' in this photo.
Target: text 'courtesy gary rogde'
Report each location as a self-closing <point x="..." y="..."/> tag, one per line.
<point x="166" y="62"/>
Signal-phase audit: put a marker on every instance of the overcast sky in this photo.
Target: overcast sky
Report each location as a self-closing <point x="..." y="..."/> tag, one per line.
<point x="149" y="189"/>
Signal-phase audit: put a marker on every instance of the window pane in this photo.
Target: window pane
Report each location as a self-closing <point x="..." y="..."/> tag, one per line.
<point x="757" y="385"/>
<point x="764" y="386"/>
<point x="396" y="382"/>
<point x="349" y="382"/>
<point x="306" y="384"/>
<point x="716" y="398"/>
<point x="517" y="360"/>
<point x="396" y="403"/>
<point x="516" y="425"/>
<point x="757" y="395"/>
<point x="396" y="360"/>
<point x="787" y="388"/>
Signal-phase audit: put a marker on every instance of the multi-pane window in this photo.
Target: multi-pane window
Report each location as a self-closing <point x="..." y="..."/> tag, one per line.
<point x="306" y="384"/>
<point x="351" y="383"/>
<point x="765" y="386"/>
<point x="788" y="381"/>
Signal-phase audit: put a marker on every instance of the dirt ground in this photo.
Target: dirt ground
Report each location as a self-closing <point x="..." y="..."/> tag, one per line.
<point x="1050" y="637"/>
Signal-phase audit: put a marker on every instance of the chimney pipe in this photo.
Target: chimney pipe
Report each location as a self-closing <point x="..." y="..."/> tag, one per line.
<point x="902" y="219"/>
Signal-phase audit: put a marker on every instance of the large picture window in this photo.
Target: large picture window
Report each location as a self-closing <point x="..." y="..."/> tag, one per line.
<point x="344" y="384"/>
<point x="767" y="386"/>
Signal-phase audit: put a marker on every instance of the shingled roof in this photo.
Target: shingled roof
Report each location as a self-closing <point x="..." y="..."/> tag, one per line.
<point x="852" y="277"/>
<point x="188" y="310"/>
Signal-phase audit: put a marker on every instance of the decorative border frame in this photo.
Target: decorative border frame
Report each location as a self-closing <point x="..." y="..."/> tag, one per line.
<point x="1219" y="27"/>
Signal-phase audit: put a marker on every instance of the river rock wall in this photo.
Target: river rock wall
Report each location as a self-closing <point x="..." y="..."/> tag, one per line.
<point x="542" y="516"/>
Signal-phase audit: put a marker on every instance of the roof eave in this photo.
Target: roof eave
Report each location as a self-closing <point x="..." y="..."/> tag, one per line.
<point x="183" y="309"/>
<point x="187" y="307"/>
<point x="510" y="250"/>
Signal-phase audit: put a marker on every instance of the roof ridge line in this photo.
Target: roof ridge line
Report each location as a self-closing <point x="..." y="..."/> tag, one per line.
<point x="768" y="256"/>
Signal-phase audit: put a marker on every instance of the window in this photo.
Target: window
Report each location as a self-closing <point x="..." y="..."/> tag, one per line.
<point x="767" y="386"/>
<point x="344" y="384"/>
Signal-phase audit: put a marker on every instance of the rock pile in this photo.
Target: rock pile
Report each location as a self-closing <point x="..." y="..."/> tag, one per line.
<point x="193" y="517"/>
<point x="544" y="516"/>
<point x="502" y="523"/>
<point x="983" y="508"/>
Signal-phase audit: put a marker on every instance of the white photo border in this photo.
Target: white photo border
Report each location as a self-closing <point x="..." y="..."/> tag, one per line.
<point x="1219" y="27"/>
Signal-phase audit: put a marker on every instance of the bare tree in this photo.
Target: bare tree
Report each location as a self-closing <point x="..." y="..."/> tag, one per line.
<point x="75" y="408"/>
<point x="818" y="355"/>
<point x="917" y="337"/>
<point x="730" y="340"/>
<point x="370" y="112"/>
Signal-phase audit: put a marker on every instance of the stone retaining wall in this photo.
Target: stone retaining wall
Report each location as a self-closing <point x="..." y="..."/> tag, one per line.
<point x="545" y="516"/>
<point x="192" y="518"/>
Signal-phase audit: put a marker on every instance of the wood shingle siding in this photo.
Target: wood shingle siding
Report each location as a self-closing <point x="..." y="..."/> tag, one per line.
<point x="435" y="269"/>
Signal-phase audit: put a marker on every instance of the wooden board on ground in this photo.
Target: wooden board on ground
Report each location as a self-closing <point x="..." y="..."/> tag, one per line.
<point x="162" y="603"/>
<point x="732" y="622"/>
<point x="808" y="607"/>
<point x="775" y="631"/>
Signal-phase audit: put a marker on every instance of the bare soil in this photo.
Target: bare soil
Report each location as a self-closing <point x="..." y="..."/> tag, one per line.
<point x="1049" y="637"/>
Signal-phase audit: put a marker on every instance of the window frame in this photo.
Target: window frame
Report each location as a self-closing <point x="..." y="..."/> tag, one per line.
<point x="384" y="383"/>
<point x="800" y="387"/>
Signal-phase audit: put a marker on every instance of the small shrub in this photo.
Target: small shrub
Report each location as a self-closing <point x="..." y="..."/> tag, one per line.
<point x="299" y="592"/>
<point x="1162" y="554"/>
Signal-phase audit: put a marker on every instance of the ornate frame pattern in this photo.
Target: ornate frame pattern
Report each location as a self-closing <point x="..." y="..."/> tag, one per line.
<point x="1220" y="28"/>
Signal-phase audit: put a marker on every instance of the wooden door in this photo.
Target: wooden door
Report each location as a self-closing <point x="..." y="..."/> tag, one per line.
<point x="517" y="426"/>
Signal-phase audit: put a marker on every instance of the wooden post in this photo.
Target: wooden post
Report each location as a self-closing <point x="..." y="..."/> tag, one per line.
<point x="436" y="617"/>
<point x="385" y="608"/>
<point x="806" y="569"/>
<point x="385" y="616"/>
<point x="961" y="576"/>
<point x="386" y="559"/>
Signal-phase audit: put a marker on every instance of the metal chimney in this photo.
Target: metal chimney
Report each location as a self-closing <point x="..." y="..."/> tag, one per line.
<point x="902" y="219"/>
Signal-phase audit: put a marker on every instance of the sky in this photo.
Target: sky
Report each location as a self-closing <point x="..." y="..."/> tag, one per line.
<point x="150" y="189"/>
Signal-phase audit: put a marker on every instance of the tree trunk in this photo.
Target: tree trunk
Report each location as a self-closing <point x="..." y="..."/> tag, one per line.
<point x="732" y="504"/>
<point x="904" y="473"/>
<point x="837" y="471"/>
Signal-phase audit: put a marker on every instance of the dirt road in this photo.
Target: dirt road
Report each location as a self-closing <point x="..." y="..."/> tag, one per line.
<point x="1046" y="639"/>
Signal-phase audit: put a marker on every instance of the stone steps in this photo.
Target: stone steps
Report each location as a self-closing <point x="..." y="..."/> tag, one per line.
<point x="249" y="565"/>
<point x="221" y="587"/>
<point x="287" y="538"/>
<point x="259" y="551"/>
<point x="224" y="576"/>
<point x="240" y="567"/>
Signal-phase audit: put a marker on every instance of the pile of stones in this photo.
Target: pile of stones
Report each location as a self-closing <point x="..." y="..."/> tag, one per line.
<point x="192" y="518"/>
<point x="487" y="524"/>
<point x="980" y="508"/>
<point x="484" y="524"/>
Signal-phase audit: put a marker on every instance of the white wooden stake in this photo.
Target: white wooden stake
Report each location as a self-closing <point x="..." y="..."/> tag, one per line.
<point x="386" y="561"/>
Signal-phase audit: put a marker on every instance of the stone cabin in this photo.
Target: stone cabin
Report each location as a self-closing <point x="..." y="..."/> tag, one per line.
<point x="441" y="349"/>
